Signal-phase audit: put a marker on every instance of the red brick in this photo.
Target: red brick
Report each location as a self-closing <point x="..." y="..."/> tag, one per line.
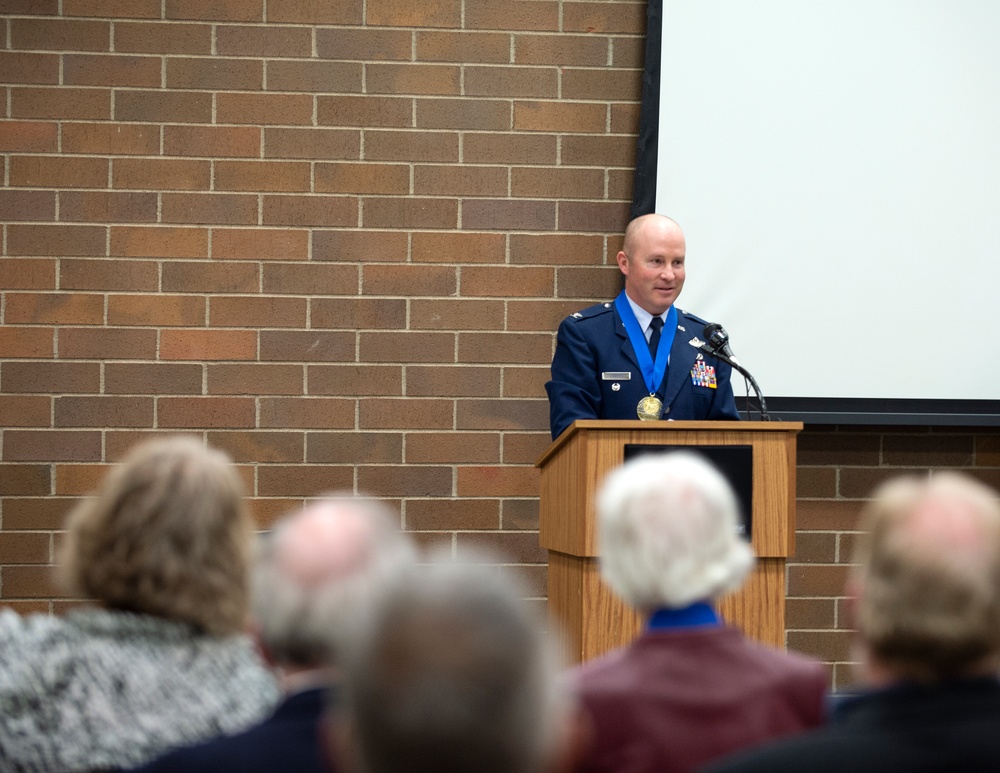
<point x="450" y="514"/>
<point x="625" y="117"/>
<point x="519" y="514"/>
<point x="259" y="244"/>
<point x="441" y="314"/>
<point x="562" y="50"/>
<point x="20" y="480"/>
<point x="452" y="448"/>
<point x="321" y="144"/>
<point x="51" y="445"/>
<point x="604" y="17"/>
<point x="205" y="412"/>
<point x="255" y="379"/>
<point x="507" y="281"/>
<point x="524" y="382"/>
<point x="534" y="15"/>
<point x="264" y="109"/>
<point x="815" y="482"/>
<point x="405" y="481"/>
<point x="159" y="242"/>
<point x="220" y="10"/>
<point x="152" y="378"/>
<point x="404" y="413"/>
<point x="628" y="52"/>
<point x="54" y="240"/>
<point x="620" y="184"/>
<point x="524" y="448"/>
<point x="58" y="172"/>
<point x="495" y="480"/>
<point x="314" y="77"/>
<point x="354" y="447"/>
<point x="409" y="212"/>
<point x="413" y="78"/>
<point x="60" y="34"/>
<point x="27" y="205"/>
<point x="509" y="548"/>
<point x="103" y="412"/>
<point x="315" y="12"/>
<point x="167" y="106"/>
<point x="556" y="249"/>
<point x="511" y="81"/>
<point x="303" y="480"/>
<point x="464" y="248"/>
<point x="481" y="114"/>
<point x="210" y="277"/>
<point x="213" y="141"/>
<point x="828" y="646"/>
<point x="428" y="13"/>
<point x="462" y="47"/>
<point x="261" y="447"/>
<point x="208" y="345"/>
<point x="244" y="311"/>
<point x="166" y="174"/>
<point x="310" y="279"/>
<point x="938" y="450"/>
<point x="360" y="246"/>
<point x="452" y="381"/>
<point x="509" y="215"/>
<point x="460" y="180"/>
<point x="584" y="150"/>
<point x="132" y="37"/>
<point x="27" y="273"/>
<point x="816" y="579"/>
<point x="28" y="136"/>
<point x="173" y="310"/>
<point x="54" y="308"/>
<point x="591" y="283"/>
<point x="536" y="182"/>
<point x="490" y="148"/>
<point x="29" y="582"/>
<point x="107" y="343"/>
<point x="306" y="413"/>
<point x="411" y="146"/>
<point x="107" y="207"/>
<point x="310" y="211"/>
<point x="503" y="414"/>
<point x="31" y="513"/>
<point x="364" y="111"/>
<point x="306" y="346"/>
<point x="215" y="73"/>
<point x="209" y="208"/>
<point x="111" y="70"/>
<point x="599" y="216"/>
<point x="504" y="347"/>
<point x="601" y="84"/>
<point x="362" y="178"/>
<point x="79" y="479"/>
<point x="31" y="342"/>
<point x="408" y="280"/>
<point x="559" y="117"/>
<point x="264" y="42"/>
<point x="25" y="411"/>
<point x="358" y="314"/>
<point x="19" y="67"/>
<point x="262" y="176"/>
<point x="407" y="347"/>
<point x="365" y="44"/>
<point x="110" y="139"/>
<point x="539" y="316"/>
<point x="63" y="103"/>
<point x="24" y="548"/>
<point x="354" y="380"/>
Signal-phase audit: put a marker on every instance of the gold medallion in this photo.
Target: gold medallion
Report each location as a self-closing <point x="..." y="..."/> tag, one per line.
<point x="650" y="408"/>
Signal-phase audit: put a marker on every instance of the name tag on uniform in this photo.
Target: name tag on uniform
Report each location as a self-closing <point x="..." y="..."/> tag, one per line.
<point x="614" y="375"/>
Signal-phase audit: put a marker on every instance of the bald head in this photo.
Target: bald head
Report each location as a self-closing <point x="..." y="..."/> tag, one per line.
<point x="650" y="227"/>
<point x="652" y="261"/>
<point x="928" y="577"/>
<point x="320" y="572"/>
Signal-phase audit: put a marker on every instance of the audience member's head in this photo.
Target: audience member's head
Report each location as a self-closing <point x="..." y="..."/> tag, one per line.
<point x="667" y="526"/>
<point x="927" y="580"/>
<point x="167" y="535"/>
<point x="319" y="574"/>
<point x="455" y="674"/>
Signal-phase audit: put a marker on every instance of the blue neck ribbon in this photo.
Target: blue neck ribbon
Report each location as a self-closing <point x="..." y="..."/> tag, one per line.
<point x="652" y="372"/>
<point x="699" y="613"/>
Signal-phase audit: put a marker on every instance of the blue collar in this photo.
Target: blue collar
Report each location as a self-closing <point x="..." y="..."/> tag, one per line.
<point x="699" y="613"/>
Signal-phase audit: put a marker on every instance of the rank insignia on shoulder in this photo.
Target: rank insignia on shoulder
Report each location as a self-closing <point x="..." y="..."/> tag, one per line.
<point x="577" y="315"/>
<point x="682" y="328"/>
<point x="696" y="342"/>
<point x="703" y="375"/>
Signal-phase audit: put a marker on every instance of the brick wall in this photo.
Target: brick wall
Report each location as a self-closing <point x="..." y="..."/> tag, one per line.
<point x="334" y="239"/>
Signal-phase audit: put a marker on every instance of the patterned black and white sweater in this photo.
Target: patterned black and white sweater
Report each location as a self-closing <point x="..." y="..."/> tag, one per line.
<point x="99" y="689"/>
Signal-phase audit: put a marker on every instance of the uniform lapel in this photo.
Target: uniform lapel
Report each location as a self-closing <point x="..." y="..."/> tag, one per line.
<point x="682" y="357"/>
<point x="626" y="346"/>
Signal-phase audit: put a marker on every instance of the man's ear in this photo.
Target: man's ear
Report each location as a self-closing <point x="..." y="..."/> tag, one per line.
<point x="622" y="259"/>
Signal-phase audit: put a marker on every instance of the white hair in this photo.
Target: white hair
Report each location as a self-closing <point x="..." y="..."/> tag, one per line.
<point x="667" y="527"/>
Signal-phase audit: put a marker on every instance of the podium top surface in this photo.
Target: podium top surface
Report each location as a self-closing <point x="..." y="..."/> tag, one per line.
<point x="635" y="425"/>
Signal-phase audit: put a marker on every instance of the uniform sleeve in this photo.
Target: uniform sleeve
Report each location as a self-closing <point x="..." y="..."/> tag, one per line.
<point x="574" y="391"/>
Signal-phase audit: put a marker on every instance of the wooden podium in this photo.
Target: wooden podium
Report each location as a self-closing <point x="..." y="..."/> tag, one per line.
<point x="572" y="468"/>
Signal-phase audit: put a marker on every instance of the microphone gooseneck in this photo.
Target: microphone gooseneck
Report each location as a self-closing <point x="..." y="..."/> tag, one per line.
<point x="717" y="345"/>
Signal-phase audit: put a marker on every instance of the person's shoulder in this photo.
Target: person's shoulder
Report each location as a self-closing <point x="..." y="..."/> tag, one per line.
<point x="693" y="319"/>
<point x="596" y="311"/>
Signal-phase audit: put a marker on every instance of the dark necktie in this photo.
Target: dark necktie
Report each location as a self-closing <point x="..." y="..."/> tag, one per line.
<point x="654" y="337"/>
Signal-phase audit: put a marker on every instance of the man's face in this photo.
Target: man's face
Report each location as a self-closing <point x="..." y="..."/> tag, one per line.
<point x="654" y="266"/>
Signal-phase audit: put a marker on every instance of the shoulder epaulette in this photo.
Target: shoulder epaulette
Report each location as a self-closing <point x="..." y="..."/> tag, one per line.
<point x="592" y="311"/>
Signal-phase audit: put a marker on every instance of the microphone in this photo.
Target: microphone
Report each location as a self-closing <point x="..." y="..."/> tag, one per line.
<point x="718" y="346"/>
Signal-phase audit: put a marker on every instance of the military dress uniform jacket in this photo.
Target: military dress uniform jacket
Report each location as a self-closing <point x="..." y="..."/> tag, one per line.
<point x="592" y="346"/>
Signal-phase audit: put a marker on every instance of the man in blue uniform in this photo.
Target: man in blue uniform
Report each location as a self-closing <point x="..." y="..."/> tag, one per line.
<point x="639" y="356"/>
